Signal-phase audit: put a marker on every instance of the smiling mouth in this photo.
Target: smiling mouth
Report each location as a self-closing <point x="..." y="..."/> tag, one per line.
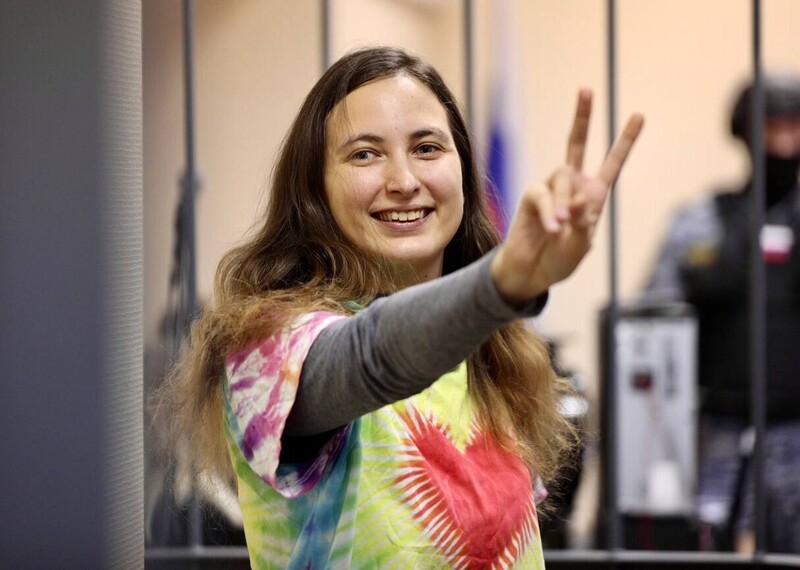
<point x="407" y="216"/>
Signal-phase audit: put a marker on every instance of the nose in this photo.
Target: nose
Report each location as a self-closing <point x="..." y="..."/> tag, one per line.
<point x="400" y="176"/>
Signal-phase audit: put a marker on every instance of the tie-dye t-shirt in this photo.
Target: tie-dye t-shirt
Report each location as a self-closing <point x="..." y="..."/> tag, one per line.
<point x="415" y="484"/>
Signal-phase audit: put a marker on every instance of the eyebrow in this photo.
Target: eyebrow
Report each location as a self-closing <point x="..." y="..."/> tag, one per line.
<point x="418" y="134"/>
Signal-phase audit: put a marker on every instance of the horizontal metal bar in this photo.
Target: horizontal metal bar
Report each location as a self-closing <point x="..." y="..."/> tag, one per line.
<point x="596" y="556"/>
<point x="669" y="557"/>
<point x="196" y="553"/>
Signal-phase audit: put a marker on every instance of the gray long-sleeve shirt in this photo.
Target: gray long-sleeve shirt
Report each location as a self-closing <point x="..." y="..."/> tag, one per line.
<point x="398" y="346"/>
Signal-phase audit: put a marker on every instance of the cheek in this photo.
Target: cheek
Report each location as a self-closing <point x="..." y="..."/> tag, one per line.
<point x="361" y="186"/>
<point x="449" y="193"/>
<point x="455" y="188"/>
<point x="349" y="199"/>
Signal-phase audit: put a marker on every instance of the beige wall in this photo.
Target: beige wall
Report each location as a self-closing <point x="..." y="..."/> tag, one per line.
<point x="678" y="62"/>
<point x="432" y="29"/>
<point x="255" y="60"/>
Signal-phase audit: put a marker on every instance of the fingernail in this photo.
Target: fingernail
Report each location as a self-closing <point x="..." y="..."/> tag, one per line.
<point x="563" y="213"/>
<point x="553" y="226"/>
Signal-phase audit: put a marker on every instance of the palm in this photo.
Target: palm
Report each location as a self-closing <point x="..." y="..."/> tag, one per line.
<point x="562" y="253"/>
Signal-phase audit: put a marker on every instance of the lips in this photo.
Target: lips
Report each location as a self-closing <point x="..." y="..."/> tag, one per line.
<point x="402" y="216"/>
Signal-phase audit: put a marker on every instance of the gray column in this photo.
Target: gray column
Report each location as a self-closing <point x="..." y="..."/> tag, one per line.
<point x="70" y="292"/>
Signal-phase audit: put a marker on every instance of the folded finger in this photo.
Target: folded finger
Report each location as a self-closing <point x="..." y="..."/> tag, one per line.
<point x="562" y="184"/>
<point x="542" y="201"/>
<point x="585" y="211"/>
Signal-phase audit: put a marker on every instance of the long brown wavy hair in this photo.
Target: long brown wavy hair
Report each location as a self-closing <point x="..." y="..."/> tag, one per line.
<point x="299" y="259"/>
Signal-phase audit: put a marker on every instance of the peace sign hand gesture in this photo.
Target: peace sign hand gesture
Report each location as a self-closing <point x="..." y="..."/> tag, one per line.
<point x="555" y="221"/>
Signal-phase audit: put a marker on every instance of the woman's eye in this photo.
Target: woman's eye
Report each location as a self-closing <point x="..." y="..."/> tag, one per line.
<point x="427" y="149"/>
<point x="362" y="155"/>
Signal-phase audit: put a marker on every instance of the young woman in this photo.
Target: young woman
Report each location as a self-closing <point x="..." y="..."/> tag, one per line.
<point x="364" y="370"/>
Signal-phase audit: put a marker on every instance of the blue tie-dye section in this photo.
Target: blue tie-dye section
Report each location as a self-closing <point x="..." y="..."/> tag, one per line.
<point x="315" y="516"/>
<point x="320" y="510"/>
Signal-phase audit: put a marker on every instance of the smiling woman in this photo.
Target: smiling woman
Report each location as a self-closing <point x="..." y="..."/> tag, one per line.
<point x="393" y="177"/>
<point x="365" y="370"/>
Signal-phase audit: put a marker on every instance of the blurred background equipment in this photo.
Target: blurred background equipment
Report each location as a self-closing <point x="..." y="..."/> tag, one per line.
<point x="656" y="423"/>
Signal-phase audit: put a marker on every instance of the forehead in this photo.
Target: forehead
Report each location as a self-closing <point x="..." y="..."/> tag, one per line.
<point x="392" y="104"/>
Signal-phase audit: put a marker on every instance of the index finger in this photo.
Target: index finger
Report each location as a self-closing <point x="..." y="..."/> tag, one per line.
<point x="580" y="128"/>
<point x="619" y="152"/>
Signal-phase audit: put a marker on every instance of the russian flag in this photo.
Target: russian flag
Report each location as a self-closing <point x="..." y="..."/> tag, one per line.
<point x="505" y="159"/>
<point x="777" y="243"/>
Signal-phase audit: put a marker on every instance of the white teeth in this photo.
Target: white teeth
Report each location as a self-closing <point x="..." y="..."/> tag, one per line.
<point x="411" y="216"/>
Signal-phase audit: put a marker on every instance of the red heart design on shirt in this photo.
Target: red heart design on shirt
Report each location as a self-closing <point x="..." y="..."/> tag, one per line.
<point x="477" y="507"/>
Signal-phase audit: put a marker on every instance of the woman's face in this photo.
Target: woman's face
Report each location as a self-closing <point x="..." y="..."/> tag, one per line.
<point x="393" y="174"/>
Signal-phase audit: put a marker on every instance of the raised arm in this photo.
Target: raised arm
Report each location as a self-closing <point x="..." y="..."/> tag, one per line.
<point x="398" y="347"/>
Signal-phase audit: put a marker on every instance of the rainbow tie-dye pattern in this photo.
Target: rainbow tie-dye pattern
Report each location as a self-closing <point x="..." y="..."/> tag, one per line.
<point x="415" y="484"/>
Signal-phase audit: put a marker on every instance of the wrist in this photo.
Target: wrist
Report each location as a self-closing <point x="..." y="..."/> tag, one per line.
<point x="515" y="286"/>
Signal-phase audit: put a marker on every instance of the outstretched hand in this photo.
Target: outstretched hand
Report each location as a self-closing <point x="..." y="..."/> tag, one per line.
<point x="555" y="221"/>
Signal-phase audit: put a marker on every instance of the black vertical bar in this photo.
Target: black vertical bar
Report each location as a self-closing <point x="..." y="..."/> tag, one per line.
<point x="190" y="180"/>
<point x="189" y="285"/>
<point x="469" y="79"/>
<point x="613" y="518"/>
<point x="326" y="33"/>
<point x="756" y="306"/>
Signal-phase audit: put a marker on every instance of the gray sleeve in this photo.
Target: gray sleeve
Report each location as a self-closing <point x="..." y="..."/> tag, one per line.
<point x="398" y="346"/>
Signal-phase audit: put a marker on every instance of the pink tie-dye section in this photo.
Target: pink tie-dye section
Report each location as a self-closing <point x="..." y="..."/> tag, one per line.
<point x="262" y="385"/>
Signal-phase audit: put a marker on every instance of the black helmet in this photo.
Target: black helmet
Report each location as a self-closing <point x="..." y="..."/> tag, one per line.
<point x="781" y="99"/>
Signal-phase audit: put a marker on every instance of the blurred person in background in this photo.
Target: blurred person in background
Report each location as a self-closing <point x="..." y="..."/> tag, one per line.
<point x="704" y="261"/>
